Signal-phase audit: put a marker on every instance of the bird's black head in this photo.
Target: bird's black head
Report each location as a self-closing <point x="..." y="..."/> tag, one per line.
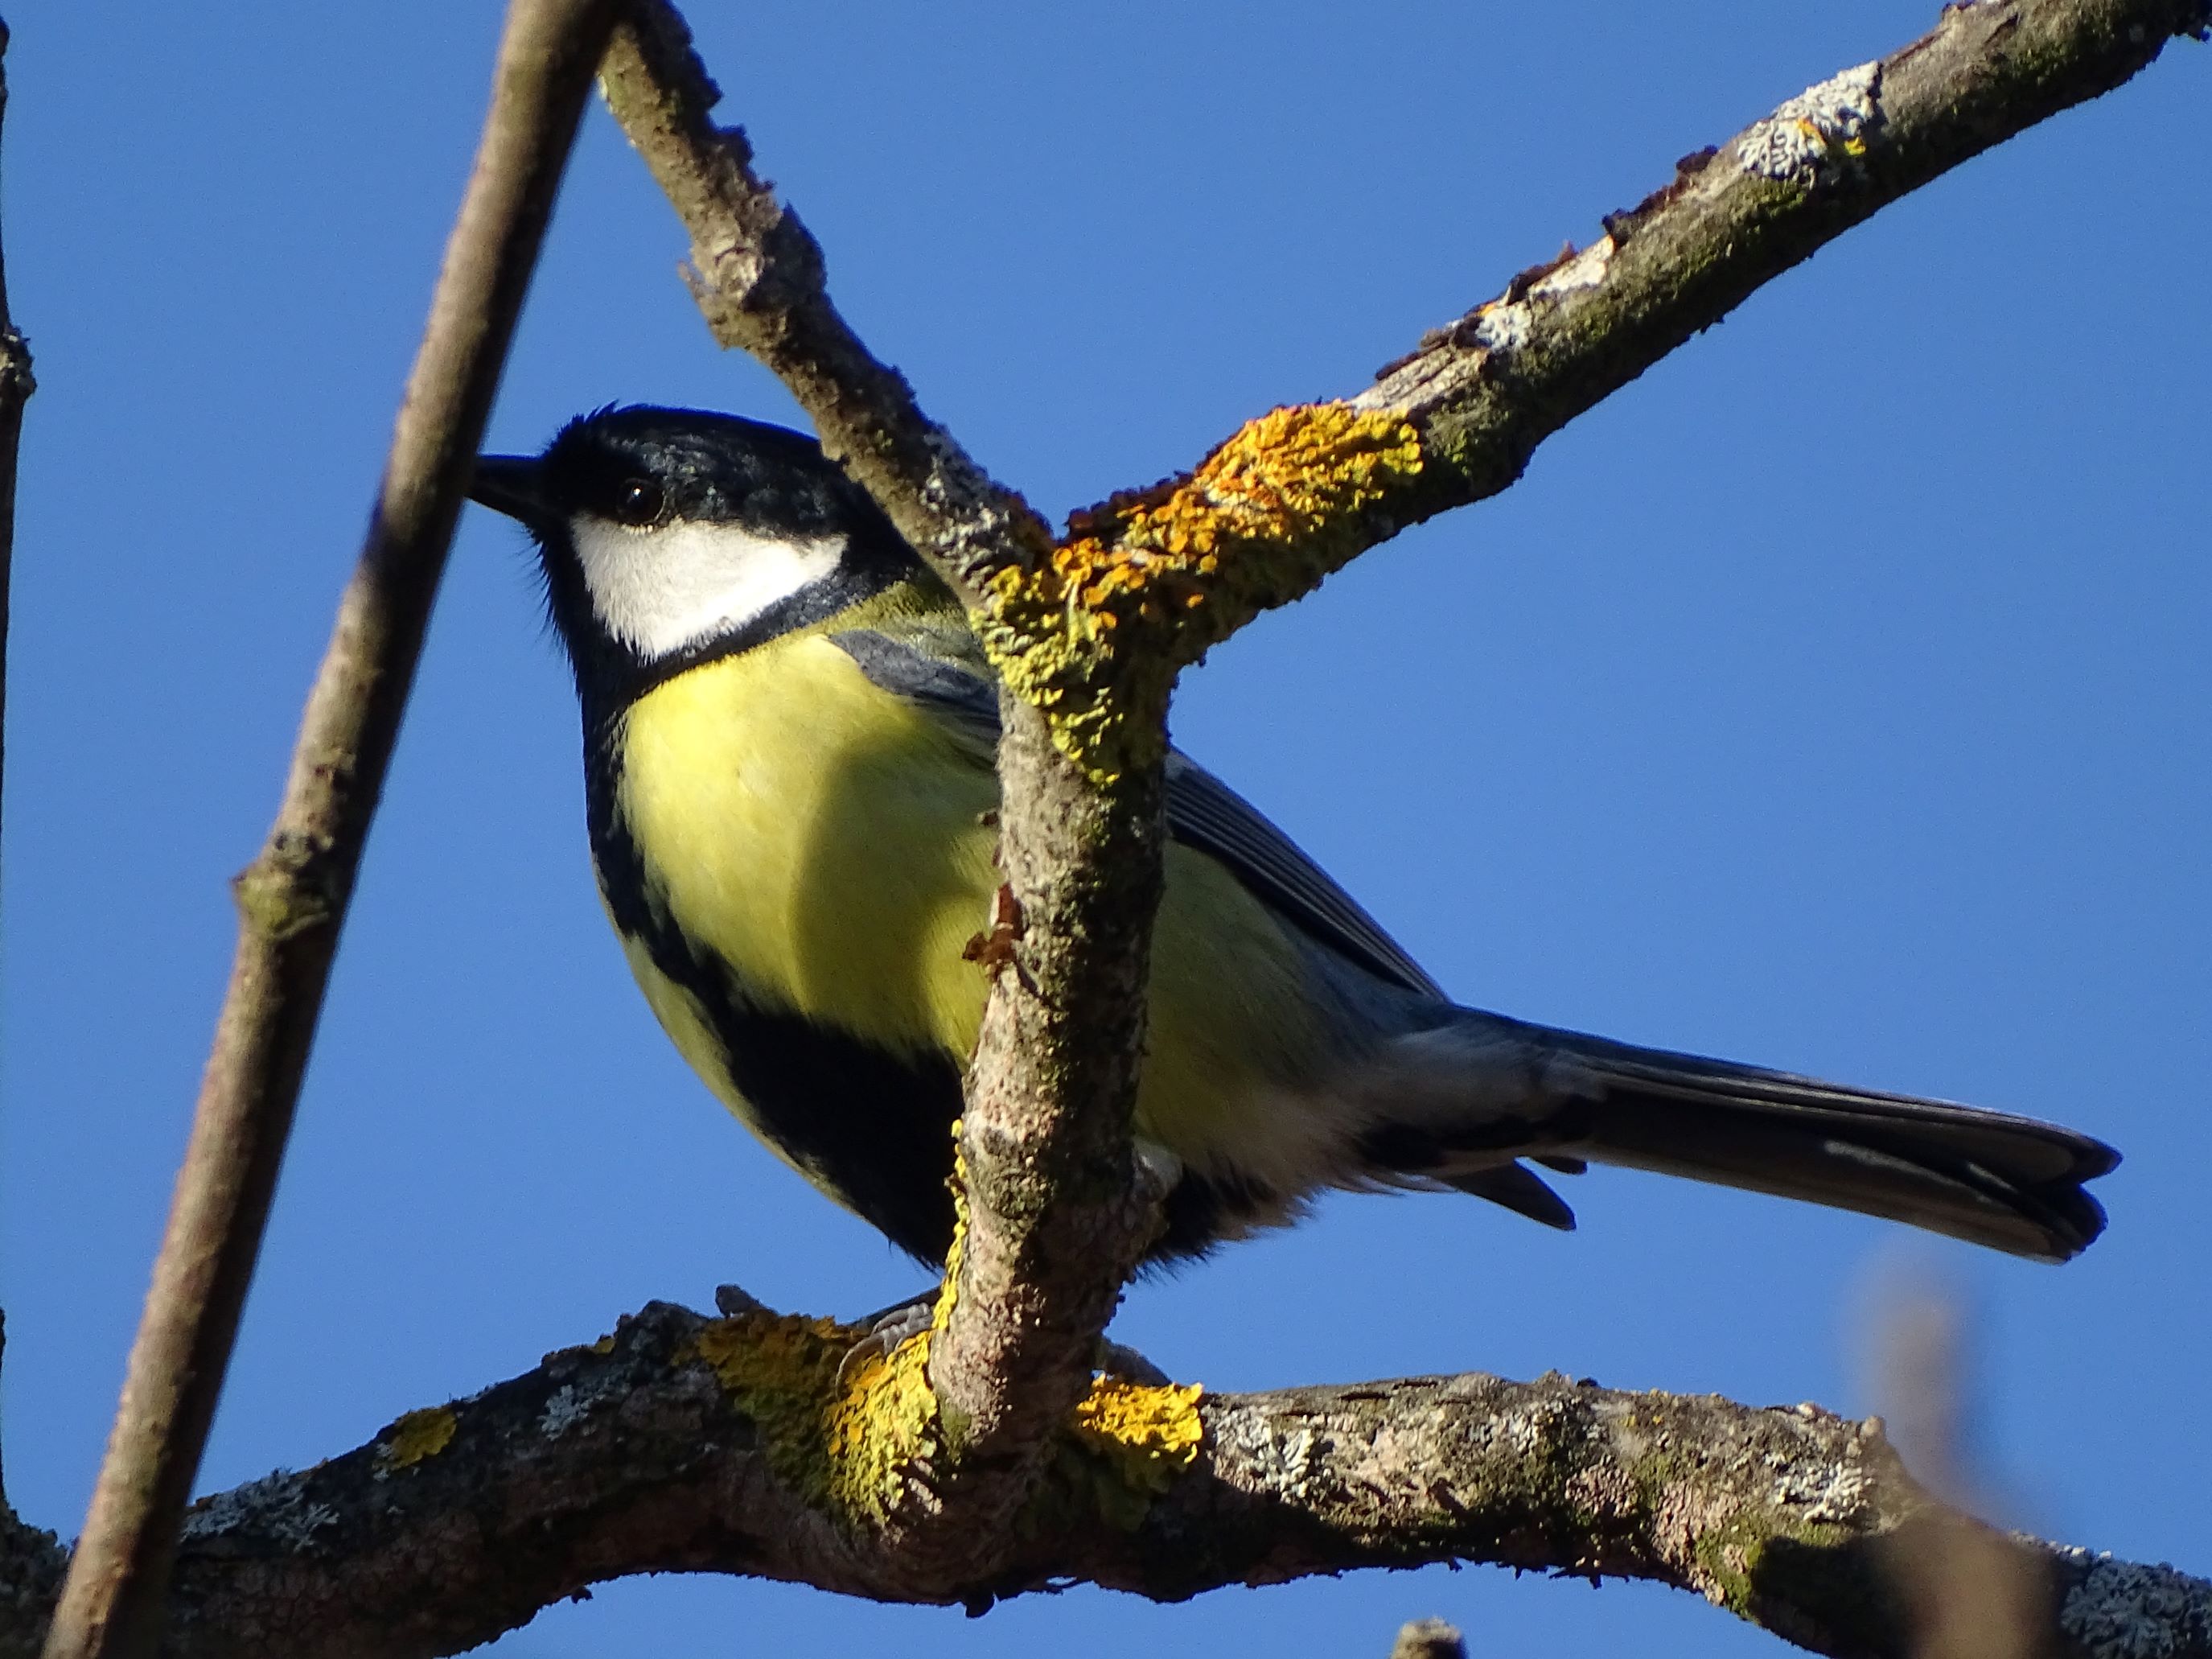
<point x="669" y="537"/>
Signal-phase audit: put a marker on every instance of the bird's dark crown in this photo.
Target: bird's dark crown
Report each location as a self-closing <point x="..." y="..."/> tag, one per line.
<point x="637" y="488"/>
<point x="705" y="467"/>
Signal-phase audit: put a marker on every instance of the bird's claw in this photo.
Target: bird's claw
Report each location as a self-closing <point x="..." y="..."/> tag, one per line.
<point x="895" y="1324"/>
<point x="887" y="1329"/>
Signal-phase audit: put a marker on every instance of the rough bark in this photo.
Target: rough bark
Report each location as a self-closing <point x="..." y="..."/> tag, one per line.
<point x="1053" y="1219"/>
<point x="683" y="1443"/>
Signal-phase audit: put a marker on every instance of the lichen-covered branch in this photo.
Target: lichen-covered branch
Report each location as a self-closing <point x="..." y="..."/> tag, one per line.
<point x="292" y="898"/>
<point x="1089" y="634"/>
<point x="1053" y="1216"/>
<point x="1149" y="580"/>
<point x="682" y="1444"/>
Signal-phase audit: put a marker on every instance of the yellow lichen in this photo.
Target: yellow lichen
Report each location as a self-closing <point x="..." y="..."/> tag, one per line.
<point x="1154" y="1431"/>
<point x="416" y="1436"/>
<point x="881" y="1422"/>
<point x="1263" y="518"/>
<point x="1125" y="1446"/>
<point x="844" y="1441"/>
<point x="846" y="1425"/>
<point x="604" y="1347"/>
<point x="948" y="1292"/>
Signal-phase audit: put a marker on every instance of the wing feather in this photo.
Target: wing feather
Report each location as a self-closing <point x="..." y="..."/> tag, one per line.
<point x="1203" y="812"/>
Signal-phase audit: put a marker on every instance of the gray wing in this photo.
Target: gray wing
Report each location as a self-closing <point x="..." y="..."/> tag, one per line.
<point x="1206" y="813"/>
<point x="952" y="690"/>
<point x="1203" y="812"/>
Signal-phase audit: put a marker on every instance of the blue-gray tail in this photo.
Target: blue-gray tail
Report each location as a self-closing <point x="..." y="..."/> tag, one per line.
<point x="1454" y="1104"/>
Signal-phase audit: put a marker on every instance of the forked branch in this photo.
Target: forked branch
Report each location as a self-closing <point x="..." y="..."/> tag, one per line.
<point x="1089" y="634"/>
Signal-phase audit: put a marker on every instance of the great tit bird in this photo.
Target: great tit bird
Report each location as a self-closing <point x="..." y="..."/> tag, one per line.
<point x="788" y="758"/>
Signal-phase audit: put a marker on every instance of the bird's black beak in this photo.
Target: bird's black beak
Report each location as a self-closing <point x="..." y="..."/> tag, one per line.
<point x="512" y="484"/>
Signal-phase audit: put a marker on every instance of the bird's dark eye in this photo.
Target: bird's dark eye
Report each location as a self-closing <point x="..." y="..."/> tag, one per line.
<point x="638" y="502"/>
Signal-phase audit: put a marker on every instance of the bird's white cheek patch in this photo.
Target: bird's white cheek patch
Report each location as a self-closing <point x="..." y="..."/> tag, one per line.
<point x="663" y="590"/>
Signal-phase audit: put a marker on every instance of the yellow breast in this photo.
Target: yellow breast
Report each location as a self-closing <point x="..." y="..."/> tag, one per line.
<point x="831" y="844"/>
<point x="827" y="841"/>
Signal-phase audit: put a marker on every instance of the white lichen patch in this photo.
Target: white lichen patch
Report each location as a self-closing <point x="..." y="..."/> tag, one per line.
<point x="567" y="1405"/>
<point x="2122" y="1610"/>
<point x="1534" y="1431"/>
<point x="1811" y="139"/>
<point x="1295" y="1454"/>
<point x="1504" y="326"/>
<point x="1835" y="1493"/>
<point x="275" y="1506"/>
<point x="1585" y="271"/>
<point x="1278" y="1458"/>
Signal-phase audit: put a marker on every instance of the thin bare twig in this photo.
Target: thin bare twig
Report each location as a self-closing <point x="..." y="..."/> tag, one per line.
<point x="643" y="1453"/>
<point x="292" y="899"/>
<point x="16" y="385"/>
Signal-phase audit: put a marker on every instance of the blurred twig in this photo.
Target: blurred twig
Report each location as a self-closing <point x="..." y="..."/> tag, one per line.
<point x="292" y="899"/>
<point x="1972" y="1596"/>
<point x="1429" y="1638"/>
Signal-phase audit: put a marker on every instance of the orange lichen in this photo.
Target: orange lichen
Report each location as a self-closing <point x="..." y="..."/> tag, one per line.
<point x="1144" y="582"/>
<point x="604" y="1347"/>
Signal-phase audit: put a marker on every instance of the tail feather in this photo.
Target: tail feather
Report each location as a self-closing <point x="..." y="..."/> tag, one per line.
<point x="1520" y="1189"/>
<point x="2011" y="1183"/>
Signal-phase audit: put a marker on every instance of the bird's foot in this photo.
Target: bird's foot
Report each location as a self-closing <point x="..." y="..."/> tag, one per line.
<point x="892" y="1326"/>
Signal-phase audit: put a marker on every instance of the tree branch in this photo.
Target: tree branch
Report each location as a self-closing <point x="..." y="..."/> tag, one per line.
<point x="1088" y="635"/>
<point x="30" y="1559"/>
<point x="292" y="899"/>
<point x="683" y="1443"/>
<point x="1052" y="1220"/>
<point x="1154" y="578"/>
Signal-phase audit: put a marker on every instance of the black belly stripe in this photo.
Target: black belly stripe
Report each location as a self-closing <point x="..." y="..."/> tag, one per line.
<point x="873" y="1127"/>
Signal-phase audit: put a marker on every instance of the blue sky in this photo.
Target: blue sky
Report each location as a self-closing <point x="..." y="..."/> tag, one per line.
<point x="1835" y="697"/>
